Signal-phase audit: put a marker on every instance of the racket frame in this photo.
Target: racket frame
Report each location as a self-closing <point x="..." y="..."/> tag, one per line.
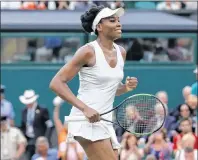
<point x="120" y="105"/>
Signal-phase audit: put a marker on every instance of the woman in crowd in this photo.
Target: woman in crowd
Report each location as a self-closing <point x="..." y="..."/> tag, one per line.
<point x="158" y="146"/>
<point x="130" y="149"/>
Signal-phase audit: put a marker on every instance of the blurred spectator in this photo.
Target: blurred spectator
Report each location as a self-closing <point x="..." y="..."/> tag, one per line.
<point x="41" y="5"/>
<point x="174" y="51"/>
<point x="148" y="51"/>
<point x="185" y="128"/>
<point x="29" y="5"/>
<point x="12" y="141"/>
<point x="190" y="5"/>
<point x="70" y="150"/>
<point x="10" y="5"/>
<point x="170" y="120"/>
<point x="135" y="52"/>
<point x="35" y="120"/>
<point x="192" y="102"/>
<point x="158" y="146"/>
<point x="80" y="5"/>
<point x="54" y="5"/>
<point x="43" y="152"/>
<point x="187" y="150"/>
<point x="55" y="44"/>
<point x="130" y="149"/>
<point x="192" y="99"/>
<point x="184" y="111"/>
<point x="150" y="157"/>
<point x="163" y="97"/>
<point x="186" y="92"/>
<point x="160" y="54"/>
<point x="168" y="5"/>
<point x="116" y="4"/>
<point x="6" y="107"/>
<point x="99" y="3"/>
<point x="31" y="48"/>
<point x="62" y="4"/>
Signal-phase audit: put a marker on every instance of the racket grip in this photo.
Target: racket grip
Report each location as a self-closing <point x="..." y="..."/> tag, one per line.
<point x="75" y="118"/>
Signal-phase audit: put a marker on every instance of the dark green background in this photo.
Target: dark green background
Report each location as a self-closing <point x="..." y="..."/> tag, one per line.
<point x="151" y="77"/>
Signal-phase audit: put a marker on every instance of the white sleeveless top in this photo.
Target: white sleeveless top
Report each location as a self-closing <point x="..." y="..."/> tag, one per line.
<point x="98" y="84"/>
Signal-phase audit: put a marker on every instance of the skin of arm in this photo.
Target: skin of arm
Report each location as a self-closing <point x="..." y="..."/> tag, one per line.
<point x="59" y="83"/>
<point x="21" y="150"/>
<point x="58" y="124"/>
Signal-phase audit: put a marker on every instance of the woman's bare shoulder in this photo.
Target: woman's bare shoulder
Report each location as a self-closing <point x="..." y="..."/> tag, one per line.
<point x="123" y="52"/>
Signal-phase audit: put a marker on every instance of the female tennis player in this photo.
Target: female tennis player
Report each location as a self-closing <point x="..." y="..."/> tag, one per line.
<point x="100" y="66"/>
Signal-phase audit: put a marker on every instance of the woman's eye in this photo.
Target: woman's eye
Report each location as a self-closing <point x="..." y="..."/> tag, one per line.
<point x="112" y="20"/>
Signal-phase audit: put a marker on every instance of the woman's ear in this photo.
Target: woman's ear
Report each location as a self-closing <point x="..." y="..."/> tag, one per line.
<point x="99" y="27"/>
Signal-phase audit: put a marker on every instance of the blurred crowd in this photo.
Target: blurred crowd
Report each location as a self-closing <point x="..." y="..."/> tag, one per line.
<point x="41" y="138"/>
<point x="84" y="4"/>
<point x="61" y="50"/>
<point x="158" y="49"/>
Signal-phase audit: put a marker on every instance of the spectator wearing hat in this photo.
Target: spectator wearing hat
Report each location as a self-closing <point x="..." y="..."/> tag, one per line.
<point x="6" y="107"/>
<point x="35" y="120"/>
<point x="13" y="142"/>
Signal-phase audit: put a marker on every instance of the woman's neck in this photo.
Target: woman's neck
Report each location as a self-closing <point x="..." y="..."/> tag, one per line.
<point x="159" y="141"/>
<point x="105" y="43"/>
<point x="44" y="155"/>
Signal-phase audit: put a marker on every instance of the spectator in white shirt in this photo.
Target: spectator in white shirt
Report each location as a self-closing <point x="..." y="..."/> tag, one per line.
<point x="13" y="142"/>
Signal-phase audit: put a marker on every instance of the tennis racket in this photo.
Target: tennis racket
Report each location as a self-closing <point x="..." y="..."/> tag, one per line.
<point x="140" y="114"/>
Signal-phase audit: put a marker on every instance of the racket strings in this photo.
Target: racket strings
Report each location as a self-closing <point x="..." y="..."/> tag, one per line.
<point x="141" y="114"/>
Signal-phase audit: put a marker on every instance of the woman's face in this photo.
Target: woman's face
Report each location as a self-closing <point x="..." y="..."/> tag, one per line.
<point x="110" y="27"/>
<point x="132" y="141"/>
<point x="184" y="111"/>
<point x="158" y="136"/>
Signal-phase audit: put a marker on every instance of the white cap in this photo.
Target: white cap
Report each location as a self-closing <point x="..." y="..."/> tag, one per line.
<point x="104" y="13"/>
<point x="28" y="97"/>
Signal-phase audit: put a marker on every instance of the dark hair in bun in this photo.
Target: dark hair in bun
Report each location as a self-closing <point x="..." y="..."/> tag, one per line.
<point x="88" y="17"/>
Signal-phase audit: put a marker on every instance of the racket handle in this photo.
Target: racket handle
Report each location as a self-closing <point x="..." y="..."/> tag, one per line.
<point x="75" y="118"/>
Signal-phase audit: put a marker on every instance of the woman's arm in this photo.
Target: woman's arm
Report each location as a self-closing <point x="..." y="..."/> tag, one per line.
<point x="121" y="89"/>
<point x="59" y="83"/>
<point x="149" y="143"/>
<point x="58" y="124"/>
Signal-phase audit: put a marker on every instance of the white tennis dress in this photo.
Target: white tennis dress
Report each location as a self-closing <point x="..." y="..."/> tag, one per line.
<point x="98" y="86"/>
